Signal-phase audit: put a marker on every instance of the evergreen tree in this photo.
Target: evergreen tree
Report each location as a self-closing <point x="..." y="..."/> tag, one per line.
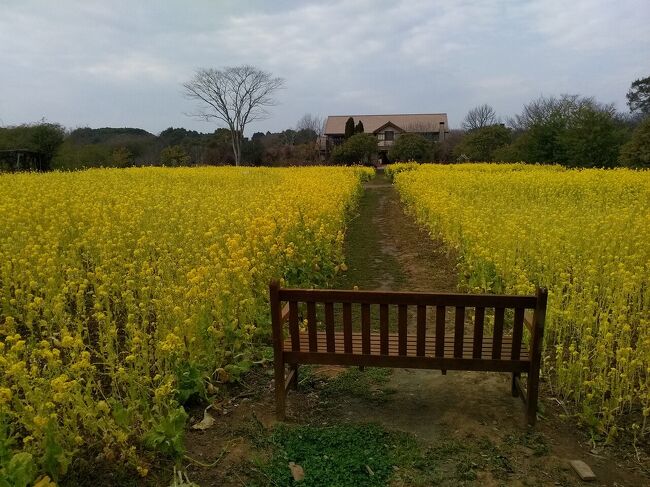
<point x="638" y="98"/>
<point x="349" y="128"/>
<point x="359" y="128"/>
<point x="636" y="152"/>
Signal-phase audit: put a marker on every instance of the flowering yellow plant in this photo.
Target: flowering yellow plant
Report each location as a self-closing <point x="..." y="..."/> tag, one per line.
<point x="121" y="290"/>
<point x="585" y="234"/>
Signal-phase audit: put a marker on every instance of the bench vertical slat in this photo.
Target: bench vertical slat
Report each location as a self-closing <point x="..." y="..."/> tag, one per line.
<point x="441" y="312"/>
<point x="422" y="330"/>
<point x="294" y="328"/>
<point x="329" y="327"/>
<point x="383" y="329"/>
<point x="517" y="333"/>
<point x="311" y="326"/>
<point x="497" y="335"/>
<point x="347" y="327"/>
<point x="459" y="331"/>
<point x="402" y="328"/>
<point x="365" y="329"/>
<point x="479" y="322"/>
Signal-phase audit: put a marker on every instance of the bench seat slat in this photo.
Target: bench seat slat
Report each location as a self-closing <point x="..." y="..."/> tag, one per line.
<point x="356" y="341"/>
<point x="413" y="362"/>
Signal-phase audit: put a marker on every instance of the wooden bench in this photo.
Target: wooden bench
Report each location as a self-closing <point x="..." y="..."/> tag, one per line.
<point x="432" y="346"/>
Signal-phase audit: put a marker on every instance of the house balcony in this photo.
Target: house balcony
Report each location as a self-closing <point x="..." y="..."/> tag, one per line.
<point x="385" y="144"/>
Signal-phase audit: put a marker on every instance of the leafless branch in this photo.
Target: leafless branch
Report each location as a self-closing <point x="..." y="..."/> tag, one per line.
<point x="234" y="96"/>
<point x="544" y="109"/>
<point x="311" y="122"/>
<point x="480" y="116"/>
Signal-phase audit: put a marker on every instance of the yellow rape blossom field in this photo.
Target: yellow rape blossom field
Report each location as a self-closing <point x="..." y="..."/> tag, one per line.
<point x="122" y="291"/>
<point x="585" y="234"/>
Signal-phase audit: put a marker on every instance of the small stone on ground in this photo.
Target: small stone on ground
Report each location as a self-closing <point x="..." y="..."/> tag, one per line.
<point x="583" y="470"/>
<point x="297" y="472"/>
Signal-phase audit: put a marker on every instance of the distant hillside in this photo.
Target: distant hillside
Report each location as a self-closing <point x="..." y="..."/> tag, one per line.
<point x="108" y="135"/>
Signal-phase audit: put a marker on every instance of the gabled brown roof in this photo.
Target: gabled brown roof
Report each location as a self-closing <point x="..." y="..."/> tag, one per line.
<point x="386" y="125"/>
<point x="420" y="122"/>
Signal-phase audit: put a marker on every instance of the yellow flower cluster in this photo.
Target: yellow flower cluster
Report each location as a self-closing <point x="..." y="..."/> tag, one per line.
<point x="114" y="282"/>
<point x="585" y="234"/>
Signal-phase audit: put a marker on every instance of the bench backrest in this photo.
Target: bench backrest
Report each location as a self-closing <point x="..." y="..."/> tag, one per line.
<point x="528" y="311"/>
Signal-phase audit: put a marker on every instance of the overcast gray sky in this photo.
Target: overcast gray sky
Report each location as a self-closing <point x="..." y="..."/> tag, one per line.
<point x="121" y="63"/>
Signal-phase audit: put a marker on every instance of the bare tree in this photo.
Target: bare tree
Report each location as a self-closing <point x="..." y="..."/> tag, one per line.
<point x="234" y="95"/>
<point x="544" y="109"/>
<point x="480" y="116"/>
<point x="311" y="122"/>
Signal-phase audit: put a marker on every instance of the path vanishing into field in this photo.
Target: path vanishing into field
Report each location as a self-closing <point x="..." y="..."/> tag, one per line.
<point x="473" y="411"/>
<point x="386" y="250"/>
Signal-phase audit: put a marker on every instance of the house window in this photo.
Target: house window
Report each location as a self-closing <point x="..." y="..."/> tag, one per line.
<point x="389" y="135"/>
<point x="380" y="136"/>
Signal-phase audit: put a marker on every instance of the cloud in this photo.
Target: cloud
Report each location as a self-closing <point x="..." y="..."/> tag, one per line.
<point x="302" y="37"/>
<point x="133" y="67"/>
<point x="352" y="34"/>
<point x="86" y="59"/>
<point x="591" y="25"/>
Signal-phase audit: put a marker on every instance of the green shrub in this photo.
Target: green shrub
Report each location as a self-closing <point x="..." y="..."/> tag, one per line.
<point x="636" y="152"/>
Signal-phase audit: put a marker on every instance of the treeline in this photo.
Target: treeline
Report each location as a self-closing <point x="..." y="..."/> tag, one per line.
<point x="179" y="147"/>
<point x="571" y="130"/>
<point x="123" y="147"/>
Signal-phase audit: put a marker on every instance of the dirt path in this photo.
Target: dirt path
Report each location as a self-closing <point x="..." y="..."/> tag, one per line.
<point x="386" y="249"/>
<point x="470" y="414"/>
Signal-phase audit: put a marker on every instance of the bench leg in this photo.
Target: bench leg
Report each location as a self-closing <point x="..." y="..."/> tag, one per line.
<point x="280" y="399"/>
<point x="294" y="379"/>
<point x="531" y="397"/>
<point x="361" y="368"/>
<point x="514" y="390"/>
<point x="444" y="371"/>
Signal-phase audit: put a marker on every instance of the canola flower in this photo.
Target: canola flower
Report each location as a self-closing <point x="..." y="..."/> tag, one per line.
<point x="585" y="234"/>
<point x="122" y="290"/>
